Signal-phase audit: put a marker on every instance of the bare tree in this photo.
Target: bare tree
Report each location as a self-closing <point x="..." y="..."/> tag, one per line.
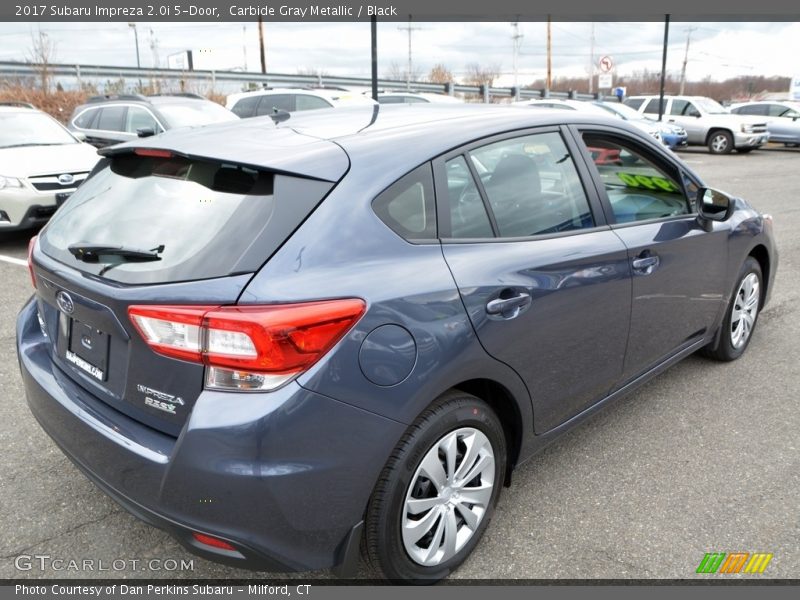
<point x="396" y="72"/>
<point x="41" y="56"/>
<point x="478" y="74"/>
<point x="440" y="74"/>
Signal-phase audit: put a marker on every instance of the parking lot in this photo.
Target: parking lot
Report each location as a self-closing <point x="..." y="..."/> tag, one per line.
<point x="706" y="458"/>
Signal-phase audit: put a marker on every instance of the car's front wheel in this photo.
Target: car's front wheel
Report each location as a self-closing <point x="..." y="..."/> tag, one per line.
<point x="720" y="142"/>
<point x="437" y="492"/>
<point x="742" y="314"/>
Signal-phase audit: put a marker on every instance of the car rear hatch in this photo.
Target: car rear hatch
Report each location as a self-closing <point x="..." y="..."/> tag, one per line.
<point x="170" y="224"/>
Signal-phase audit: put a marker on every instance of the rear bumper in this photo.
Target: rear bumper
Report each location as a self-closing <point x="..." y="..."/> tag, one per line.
<point x="284" y="477"/>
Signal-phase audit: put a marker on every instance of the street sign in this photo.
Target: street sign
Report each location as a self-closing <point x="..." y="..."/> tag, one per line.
<point x="605" y="81"/>
<point x="606" y="64"/>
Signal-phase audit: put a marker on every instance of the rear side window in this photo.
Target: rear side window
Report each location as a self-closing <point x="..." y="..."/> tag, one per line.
<point x="272" y="102"/>
<point x="111" y="118"/>
<point x="408" y="206"/>
<point x="634" y="103"/>
<point x="209" y="219"/>
<point x="246" y="107"/>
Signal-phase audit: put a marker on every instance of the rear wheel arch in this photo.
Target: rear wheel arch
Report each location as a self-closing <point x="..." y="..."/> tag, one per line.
<point x="503" y="403"/>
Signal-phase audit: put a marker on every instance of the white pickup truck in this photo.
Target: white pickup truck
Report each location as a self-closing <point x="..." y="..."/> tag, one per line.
<point x="706" y="122"/>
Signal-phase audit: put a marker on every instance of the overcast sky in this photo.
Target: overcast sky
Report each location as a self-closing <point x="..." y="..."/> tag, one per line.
<point x="719" y="50"/>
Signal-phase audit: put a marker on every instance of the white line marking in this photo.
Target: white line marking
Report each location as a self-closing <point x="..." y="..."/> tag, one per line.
<point x="14" y="261"/>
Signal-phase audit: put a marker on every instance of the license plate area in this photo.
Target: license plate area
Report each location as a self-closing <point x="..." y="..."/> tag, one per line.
<point x="87" y="349"/>
<point x="62" y="197"/>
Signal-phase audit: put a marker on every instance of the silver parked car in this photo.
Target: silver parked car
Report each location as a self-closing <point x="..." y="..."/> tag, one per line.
<point x="783" y="119"/>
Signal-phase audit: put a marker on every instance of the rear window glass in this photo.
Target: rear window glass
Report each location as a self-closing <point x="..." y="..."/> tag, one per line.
<point x="203" y="218"/>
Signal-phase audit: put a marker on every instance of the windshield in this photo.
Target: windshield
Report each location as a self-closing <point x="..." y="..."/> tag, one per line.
<point x="31" y="129"/>
<point x="195" y="113"/>
<point x="710" y="106"/>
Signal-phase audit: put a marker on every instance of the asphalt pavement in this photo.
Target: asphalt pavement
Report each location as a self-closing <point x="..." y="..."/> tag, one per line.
<point x="705" y="458"/>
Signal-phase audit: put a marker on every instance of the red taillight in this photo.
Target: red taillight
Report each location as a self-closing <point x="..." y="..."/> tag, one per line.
<point x="153" y="152"/>
<point x="238" y="343"/>
<point x="208" y="540"/>
<point x="31" y="246"/>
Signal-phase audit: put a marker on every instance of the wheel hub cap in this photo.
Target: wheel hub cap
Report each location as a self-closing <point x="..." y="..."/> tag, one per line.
<point x="745" y="310"/>
<point x="448" y="496"/>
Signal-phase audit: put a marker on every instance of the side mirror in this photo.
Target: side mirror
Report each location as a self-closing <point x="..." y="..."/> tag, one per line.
<point x="145" y="132"/>
<point x="79" y="135"/>
<point x="713" y="205"/>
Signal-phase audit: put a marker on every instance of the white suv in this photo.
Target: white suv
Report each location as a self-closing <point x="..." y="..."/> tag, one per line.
<point x="706" y="122"/>
<point x="41" y="164"/>
<point x="268" y="102"/>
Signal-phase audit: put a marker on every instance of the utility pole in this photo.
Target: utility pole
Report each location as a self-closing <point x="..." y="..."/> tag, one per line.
<point x="663" y="68"/>
<point x="261" y="45"/>
<point x="138" y="60"/>
<point x="549" y="55"/>
<point x="244" y="46"/>
<point x="409" y="29"/>
<point x="516" y="41"/>
<point x="591" y="61"/>
<point x="686" y="57"/>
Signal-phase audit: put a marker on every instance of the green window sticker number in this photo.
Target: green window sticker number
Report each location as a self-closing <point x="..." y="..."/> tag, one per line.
<point x="650" y="182"/>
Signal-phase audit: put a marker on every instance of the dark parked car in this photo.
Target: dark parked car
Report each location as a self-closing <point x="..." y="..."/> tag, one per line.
<point x="276" y="342"/>
<point x="106" y="120"/>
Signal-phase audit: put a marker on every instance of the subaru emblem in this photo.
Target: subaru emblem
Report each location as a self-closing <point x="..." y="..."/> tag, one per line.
<point x="66" y="179"/>
<point x="65" y="303"/>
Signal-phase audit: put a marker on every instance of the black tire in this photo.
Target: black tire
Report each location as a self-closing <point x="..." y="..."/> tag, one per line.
<point x="383" y="547"/>
<point x="744" y="150"/>
<point x="720" y="142"/>
<point x="725" y="350"/>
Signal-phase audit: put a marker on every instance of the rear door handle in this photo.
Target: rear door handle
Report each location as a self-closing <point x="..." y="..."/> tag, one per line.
<point x="508" y="308"/>
<point x="644" y="265"/>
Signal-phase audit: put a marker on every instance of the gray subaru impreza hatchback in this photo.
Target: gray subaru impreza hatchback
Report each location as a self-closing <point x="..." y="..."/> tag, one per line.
<point x="293" y="345"/>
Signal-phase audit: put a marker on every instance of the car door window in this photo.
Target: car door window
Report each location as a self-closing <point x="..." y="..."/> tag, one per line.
<point x="272" y="102"/>
<point x="468" y="217"/>
<point x="408" y="206"/>
<point x="683" y="108"/>
<point x="532" y="186"/>
<point x="246" y="107"/>
<point x="84" y="120"/>
<point x="752" y="109"/>
<point x="634" y="103"/>
<point x="652" y="106"/>
<point x="638" y="188"/>
<point x="111" y="118"/>
<point x="140" y="118"/>
<point x="306" y="102"/>
<point x="776" y="110"/>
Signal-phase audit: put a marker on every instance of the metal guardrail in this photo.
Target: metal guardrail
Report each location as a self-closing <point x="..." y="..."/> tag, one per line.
<point x="13" y="70"/>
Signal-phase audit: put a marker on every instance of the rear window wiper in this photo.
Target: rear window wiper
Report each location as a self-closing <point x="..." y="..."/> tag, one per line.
<point x="92" y="253"/>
